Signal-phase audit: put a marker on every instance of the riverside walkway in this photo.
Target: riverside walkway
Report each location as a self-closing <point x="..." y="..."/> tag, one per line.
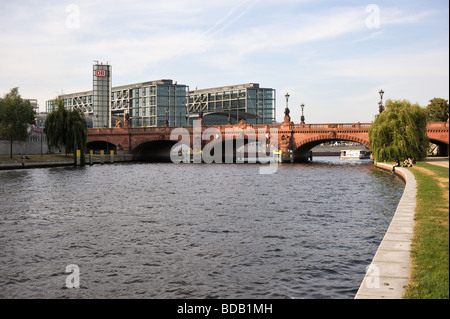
<point x="388" y="274"/>
<point x="69" y="161"/>
<point x="440" y="161"/>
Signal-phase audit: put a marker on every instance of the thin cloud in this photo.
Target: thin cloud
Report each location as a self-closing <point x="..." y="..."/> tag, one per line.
<point x="393" y="16"/>
<point x="231" y="17"/>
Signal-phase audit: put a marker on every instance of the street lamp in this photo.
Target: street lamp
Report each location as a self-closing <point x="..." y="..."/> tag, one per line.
<point x="286" y="110"/>
<point x="380" y="104"/>
<point x="302" y="118"/>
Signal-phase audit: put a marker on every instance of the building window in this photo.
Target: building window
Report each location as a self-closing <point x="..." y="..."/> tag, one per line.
<point x="268" y="94"/>
<point x="163" y="90"/>
<point x="163" y="100"/>
<point x="251" y="94"/>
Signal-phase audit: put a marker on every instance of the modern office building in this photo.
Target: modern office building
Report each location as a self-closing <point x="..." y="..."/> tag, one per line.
<point x="153" y="103"/>
<point x="229" y="104"/>
<point x="167" y="103"/>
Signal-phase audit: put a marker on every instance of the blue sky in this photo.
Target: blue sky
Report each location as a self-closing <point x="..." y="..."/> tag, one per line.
<point x="333" y="56"/>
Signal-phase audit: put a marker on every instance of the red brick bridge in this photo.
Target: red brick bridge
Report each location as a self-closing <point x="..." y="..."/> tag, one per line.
<point x="155" y="143"/>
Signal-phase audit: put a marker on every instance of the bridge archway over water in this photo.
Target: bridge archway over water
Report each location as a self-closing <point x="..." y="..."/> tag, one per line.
<point x="98" y="145"/>
<point x="236" y="150"/>
<point x="153" y="151"/>
<point x="160" y="150"/>
<point x="302" y="151"/>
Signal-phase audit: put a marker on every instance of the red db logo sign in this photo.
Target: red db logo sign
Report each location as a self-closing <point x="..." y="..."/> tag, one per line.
<point x="101" y="73"/>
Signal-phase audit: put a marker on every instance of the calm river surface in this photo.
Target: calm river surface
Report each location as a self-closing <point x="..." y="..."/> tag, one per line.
<point x="193" y="230"/>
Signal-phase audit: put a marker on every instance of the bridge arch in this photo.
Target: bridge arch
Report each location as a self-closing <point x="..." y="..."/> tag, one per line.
<point x="153" y="151"/>
<point x="442" y="146"/>
<point x="98" y="145"/>
<point x="239" y="148"/>
<point x="302" y="150"/>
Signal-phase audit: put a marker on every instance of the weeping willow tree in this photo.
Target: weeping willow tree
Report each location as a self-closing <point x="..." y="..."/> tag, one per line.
<point x="67" y="128"/>
<point x="399" y="132"/>
<point x="54" y="125"/>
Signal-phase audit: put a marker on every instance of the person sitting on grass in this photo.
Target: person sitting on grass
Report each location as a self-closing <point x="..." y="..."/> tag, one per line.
<point x="407" y="162"/>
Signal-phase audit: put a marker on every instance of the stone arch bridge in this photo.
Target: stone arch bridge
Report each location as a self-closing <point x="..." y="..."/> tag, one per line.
<point x="155" y="143"/>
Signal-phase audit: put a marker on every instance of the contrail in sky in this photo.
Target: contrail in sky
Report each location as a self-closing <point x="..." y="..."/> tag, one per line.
<point x="230" y="17"/>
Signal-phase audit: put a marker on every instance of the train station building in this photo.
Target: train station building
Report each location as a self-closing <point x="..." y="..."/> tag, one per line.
<point x="167" y="103"/>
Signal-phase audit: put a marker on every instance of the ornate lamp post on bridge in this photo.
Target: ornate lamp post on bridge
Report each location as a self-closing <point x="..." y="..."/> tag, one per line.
<point x="286" y="110"/>
<point x="302" y="118"/>
<point x="380" y="104"/>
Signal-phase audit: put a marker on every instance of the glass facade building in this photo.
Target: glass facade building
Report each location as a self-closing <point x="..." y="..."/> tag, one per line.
<point x="229" y="104"/>
<point x="153" y="103"/>
<point x="165" y="102"/>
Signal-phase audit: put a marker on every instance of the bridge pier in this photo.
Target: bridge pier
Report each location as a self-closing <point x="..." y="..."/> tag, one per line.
<point x="287" y="156"/>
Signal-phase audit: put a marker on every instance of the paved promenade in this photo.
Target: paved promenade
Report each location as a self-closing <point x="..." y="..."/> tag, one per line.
<point x="35" y="164"/>
<point x="65" y="162"/>
<point x="388" y="274"/>
<point x="440" y="161"/>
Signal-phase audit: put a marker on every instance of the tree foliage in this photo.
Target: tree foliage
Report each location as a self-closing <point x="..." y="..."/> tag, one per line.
<point x="66" y="128"/>
<point x="399" y="132"/>
<point x="438" y="110"/>
<point x="16" y="115"/>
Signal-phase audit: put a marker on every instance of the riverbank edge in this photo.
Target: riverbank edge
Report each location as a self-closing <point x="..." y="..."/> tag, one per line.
<point x="388" y="274"/>
<point x="58" y="163"/>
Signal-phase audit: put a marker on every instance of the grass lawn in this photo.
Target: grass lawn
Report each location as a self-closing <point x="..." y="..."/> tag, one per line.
<point x="430" y="247"/>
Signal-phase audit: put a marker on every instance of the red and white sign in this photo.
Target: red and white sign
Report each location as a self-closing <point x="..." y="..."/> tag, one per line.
<point x="100" y="73"/>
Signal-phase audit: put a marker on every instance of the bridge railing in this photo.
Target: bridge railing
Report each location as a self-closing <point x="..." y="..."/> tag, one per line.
<point x="346" y="126"/>
<point x="437" y="125"/>
<point x="117" y="130"/>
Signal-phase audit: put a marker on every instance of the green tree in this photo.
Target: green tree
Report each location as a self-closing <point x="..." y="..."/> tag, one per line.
<point x="54" y="125"/>
<point x="438" y="110"/>
<point x="16" y="115"/>
<point x="66" y="128"/>
<point x="399" y="132"/>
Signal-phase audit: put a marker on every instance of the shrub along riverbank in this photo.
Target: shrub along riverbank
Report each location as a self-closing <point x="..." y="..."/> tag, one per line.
<point x="430" y="247"/>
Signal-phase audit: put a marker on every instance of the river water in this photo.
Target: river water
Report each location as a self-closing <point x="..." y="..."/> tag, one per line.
<point x="146" y="230"/>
